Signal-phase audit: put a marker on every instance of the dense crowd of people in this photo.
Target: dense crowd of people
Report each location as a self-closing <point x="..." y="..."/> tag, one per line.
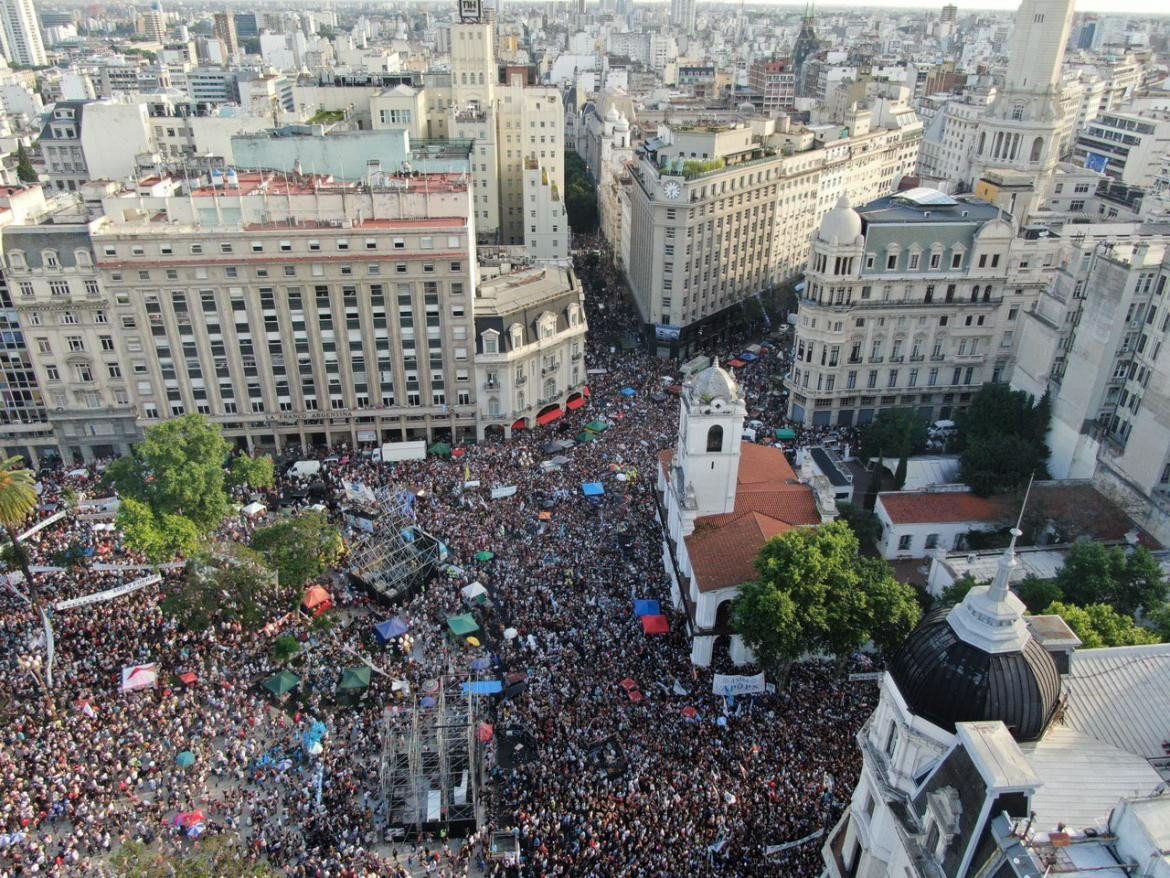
<point x="698" y="786"/>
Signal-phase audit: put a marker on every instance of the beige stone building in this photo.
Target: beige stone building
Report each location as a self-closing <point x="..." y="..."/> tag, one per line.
<point x="292" y="310"/>
<point x="718" y="214"/>
<point x="530" y="348"/>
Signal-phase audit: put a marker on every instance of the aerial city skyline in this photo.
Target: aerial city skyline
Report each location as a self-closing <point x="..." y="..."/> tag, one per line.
<point x="481" y="439"/>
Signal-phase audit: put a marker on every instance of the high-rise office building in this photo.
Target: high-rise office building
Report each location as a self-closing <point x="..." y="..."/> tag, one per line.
<point x="224" y="28"/>
<point x="154" y="23"/>
<point x="682" y="15"/>
<point x="22" y="34"/>
<point x="949" y="12"/>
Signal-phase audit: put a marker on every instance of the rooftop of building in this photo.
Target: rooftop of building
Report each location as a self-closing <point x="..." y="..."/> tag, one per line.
<point x="770" y="500"/>
<point x="1075" y="506"/>
<point x="507" y="293"/>
<point x="924" y="205"/>
<point x="274" y="183"/>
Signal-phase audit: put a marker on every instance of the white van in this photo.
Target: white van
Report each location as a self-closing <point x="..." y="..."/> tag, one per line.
<point x="942" y="430"/>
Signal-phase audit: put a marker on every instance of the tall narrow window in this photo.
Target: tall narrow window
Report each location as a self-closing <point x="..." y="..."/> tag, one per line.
<point x="715" y="438"/>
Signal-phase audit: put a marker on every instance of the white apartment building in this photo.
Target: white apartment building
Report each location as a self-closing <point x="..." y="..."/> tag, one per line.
<point x="529" y="348"/>
<point x="717" y="214"/>
<point x="1109" y="416"/>
<point x="606" y="146"/>
<point x="912" y="301"/>
<point x="1126" y="146"/>
<point x="20" y="34"/>
<point x="295" y="309"/>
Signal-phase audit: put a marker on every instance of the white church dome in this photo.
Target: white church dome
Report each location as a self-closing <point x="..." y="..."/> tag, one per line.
<point x="612" y="115"/>
<point x="714" y="383"/>
<point x="841" y="225"/>
<point x="622" y="124"/>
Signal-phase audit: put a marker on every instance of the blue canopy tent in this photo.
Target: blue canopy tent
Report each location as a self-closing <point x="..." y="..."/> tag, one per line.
<point x="628" y="391"/>
<point x="647" y="608"/>
<point x="483" y="687"/>
<point x="390" y="629"/>
<point x="592" y="489"/>
<point x="748" y="356"/>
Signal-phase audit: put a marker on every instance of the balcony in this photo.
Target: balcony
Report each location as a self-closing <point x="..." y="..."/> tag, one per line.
<point x="491" y="385"/>
<point x="897" y="359"/>
<point x="577" y="355"/>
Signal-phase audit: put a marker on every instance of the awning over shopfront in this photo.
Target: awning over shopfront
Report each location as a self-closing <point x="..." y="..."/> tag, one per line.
<point x="550" y="416"/>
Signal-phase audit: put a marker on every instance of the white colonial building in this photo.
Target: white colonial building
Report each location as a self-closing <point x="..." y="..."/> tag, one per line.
<point x="721" y="499"/>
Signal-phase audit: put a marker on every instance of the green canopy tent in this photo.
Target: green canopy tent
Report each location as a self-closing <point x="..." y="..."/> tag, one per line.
<point x="463" y="626"/>
<point x="355" y="678"/>
<point x="282" y="683"/>
<point x="484" y="556"/>
<point x="597" y="426"/>
<point x="586" y="437"/>
<point x="785" y="433"/>
<point x="185" y="759"/>
<point x="440" y="449"/>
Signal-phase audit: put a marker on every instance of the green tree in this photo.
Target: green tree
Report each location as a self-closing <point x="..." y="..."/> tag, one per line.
<point x="216" y="856"/>
<point x="999" y="464"/>
<point x="862" y="521"/>
<point x="900" y="473"/>
<point x="301" y="548"/>
<point x="18" y="499"/>
<point x="251" y="472"/>
<point x="1037" y="593"/>
<point x="896" y="432"/>
<point x="24" y="169"/>
<point x="997" y="410"/>
<point x="767" y="619"/>
<point x="1093" y="573"/>
<point x="160" y="538"/>
<point x="957" y="590"/>
<point x="227" y="583"/>
<point x="1099" y="625"/>
<point x="178" y="469"/>
<point x="840" y="600"/>
<point x="580" y="195"/>
<point x="285" y="649"/>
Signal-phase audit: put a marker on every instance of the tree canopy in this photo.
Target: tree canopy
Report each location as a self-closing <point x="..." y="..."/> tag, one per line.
<point x="1099" y="625"/>
<point x="1003" y="435"/>
<point x="181" y="470"/>
<point x="894" y="433"/>
<point x="580" y="195"/>
<point x="1096" y="574"/>
<point x="816" y="593"/>
<point x="863" y="522"/>
<point x="300" y="549"/>
<point x="227" y="583"/>
<point x="24" y="169"/>
<point x="216" y="856"/>
<point x="159" y="537"/>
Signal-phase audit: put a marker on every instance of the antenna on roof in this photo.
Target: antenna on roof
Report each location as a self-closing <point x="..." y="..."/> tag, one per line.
<point x="1024" y="505"/>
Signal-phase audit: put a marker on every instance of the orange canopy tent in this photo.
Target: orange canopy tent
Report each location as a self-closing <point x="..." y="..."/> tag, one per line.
<point x="317" y="600"/>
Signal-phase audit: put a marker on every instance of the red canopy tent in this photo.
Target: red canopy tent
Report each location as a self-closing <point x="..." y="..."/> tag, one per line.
<point x="317" y="601"/>
<point x="737" y="363"/>
<point x="636" y="696"/>
<point x="628" y="684"/>
<point x="655" y="625"/>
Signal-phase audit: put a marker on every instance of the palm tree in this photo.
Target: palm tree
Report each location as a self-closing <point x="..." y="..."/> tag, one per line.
<point x="18" y="499"/>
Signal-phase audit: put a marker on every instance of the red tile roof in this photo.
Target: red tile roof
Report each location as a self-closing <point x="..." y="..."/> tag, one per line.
<point x="920" y="507"/>
<point x="723" y="548"/>
<point x="769" y="501"/>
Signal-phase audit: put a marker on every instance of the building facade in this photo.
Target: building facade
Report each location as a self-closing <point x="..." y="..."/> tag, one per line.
<point x="21" y="34"/>
<point x="293" y="310"/>
<point x="912" y="301"/>
<point x="717" y="215"/>
<point x="529" y="348"/>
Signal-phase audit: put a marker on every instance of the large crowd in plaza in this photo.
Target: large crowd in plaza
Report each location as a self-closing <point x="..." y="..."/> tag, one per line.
<point x="704" y="788"/>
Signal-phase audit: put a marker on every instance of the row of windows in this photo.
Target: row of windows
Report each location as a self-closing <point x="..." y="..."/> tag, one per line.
<point x="312" y="245"/>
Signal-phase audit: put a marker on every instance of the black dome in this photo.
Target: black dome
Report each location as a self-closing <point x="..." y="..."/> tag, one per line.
<point x="946" y="680"/>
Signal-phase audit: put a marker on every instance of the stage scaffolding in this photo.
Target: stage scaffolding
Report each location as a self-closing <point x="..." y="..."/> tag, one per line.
<point x="431" y="762"/>
<point x="394" y="555"/>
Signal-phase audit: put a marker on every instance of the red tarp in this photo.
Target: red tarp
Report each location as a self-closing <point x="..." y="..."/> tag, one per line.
<point x="575" y="403"/>
<point x="655" y="625"/>
<point x="187" y="678"/>
<point x="737" y="363"/>
<point x="548" y="417"/>
<point x="636" y="696"/>
<point x="628" y="684"/>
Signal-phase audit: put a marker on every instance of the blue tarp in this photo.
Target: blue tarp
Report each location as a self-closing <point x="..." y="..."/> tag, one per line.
<point x="483" y="687"/>
<point x="391" y="628"/>
<point x="749" y="357"/>
<point x="628" y="391"/>
<point x="647" y="608"/>
<point x="592" y="489"/>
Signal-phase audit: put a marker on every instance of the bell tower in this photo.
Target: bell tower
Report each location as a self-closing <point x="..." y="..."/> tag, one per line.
<point x="710" y="429"/>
